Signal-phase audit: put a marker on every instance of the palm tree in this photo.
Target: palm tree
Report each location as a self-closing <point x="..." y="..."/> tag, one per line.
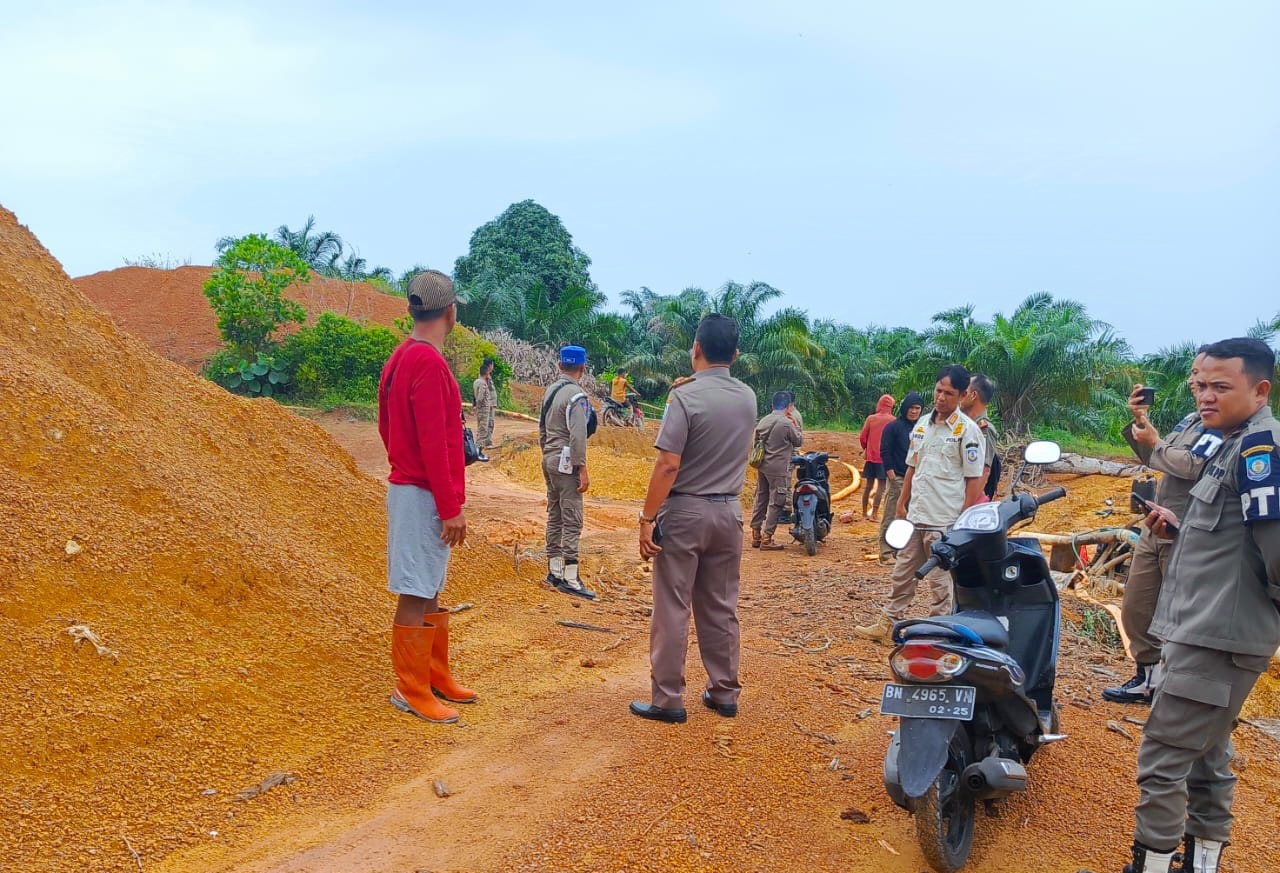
<point x="322" y="251"/>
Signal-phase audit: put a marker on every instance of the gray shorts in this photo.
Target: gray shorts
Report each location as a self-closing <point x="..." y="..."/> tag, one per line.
<point x="417" y="559"/>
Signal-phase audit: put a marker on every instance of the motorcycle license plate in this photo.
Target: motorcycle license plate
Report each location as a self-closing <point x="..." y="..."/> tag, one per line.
<point x="929" y="701"/>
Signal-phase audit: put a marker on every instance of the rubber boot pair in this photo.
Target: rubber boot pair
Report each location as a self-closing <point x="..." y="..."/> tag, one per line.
<point x="420" y="657"/>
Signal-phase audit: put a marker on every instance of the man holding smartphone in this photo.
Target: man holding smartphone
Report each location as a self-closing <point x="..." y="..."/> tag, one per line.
<point x="1179" y="465"/>
<point x="1218" y="614"/>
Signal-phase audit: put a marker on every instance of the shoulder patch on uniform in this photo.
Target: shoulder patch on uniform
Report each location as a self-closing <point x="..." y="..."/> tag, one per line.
<point x="683" y="380"/>
<point x="971" y="453"/>
<point x="1208" y="444"/>
<point x="1186" y="422"/>
<point x="1258" y="477"/>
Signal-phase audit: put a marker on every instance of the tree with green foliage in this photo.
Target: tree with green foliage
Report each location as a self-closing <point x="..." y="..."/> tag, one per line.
<point x="775" y="351"/>
<point x="525" y="246"/>
<point x="246" y="291"/>
<point x="1051" y="362"/>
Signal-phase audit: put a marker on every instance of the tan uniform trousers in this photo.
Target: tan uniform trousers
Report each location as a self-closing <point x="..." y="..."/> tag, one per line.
<point x="1141" y="592"/>
<point x="697" y="571"/>
<point x="1184" y="771"/>
<point x="910" y="558"/>
<point x="564" y="510"/>
<point x="484" y="426"/>
<point x="889" y="513"/>
<point x="771" y="499"/>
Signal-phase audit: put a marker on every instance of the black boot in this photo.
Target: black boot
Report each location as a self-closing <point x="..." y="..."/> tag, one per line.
<point x="1139" y="689"/>
<point x="1147" y="860"/>
<point x="1199" y="856"/>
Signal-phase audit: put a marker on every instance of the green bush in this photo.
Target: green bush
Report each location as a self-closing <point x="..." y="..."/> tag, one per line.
<point x="264" y="377"/>
<point x="337" y="360"/>
<point x="246" y="292"/>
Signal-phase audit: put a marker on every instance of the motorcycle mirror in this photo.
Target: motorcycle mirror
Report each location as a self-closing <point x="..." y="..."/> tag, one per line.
<point x="899" y="532"/>
<point x="1042" y="452"/>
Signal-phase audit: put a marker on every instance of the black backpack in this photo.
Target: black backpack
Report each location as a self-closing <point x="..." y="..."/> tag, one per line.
<point x="993" y="481"/>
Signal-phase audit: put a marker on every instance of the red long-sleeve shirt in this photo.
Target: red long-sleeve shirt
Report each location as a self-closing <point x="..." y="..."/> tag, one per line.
<point x="420" y="420"/>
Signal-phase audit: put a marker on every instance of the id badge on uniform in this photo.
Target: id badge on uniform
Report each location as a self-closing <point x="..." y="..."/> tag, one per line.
<point x="565" y="465"/>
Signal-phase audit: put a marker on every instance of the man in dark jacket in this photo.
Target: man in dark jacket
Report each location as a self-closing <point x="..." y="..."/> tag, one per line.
<point x="894" y="441"/>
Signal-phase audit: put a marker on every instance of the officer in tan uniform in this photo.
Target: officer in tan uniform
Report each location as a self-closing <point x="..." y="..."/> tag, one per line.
<point x="1179" y="467"/>
<point x="781" y="435"/>
<point x="691" y="526"/>
<point x="485" y="395"/>
<point x="944" y="478"/>
<point x="1218" y="613"/>
<point x="562" y="433"/>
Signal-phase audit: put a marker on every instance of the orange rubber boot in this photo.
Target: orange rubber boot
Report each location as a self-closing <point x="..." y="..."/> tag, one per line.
<point x="411" y="658"/>
<point x="441" y="680"/>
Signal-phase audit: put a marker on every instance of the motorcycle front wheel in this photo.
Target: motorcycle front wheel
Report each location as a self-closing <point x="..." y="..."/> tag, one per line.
<point x="945" y="814"/>
<point x="613" y="419"/>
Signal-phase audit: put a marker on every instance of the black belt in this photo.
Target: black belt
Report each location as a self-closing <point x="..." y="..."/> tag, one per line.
<point x="718" y="498"/>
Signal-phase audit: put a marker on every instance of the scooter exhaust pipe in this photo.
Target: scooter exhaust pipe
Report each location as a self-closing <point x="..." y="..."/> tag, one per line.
<point x="994" y="777"/>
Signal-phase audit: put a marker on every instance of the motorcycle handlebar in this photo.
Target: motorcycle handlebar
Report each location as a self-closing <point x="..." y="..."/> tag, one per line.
<point x="1051" y="495"/>
<point x="926" y="567"/>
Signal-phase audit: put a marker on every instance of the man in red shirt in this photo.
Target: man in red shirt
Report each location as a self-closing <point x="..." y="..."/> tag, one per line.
<point x="420" y="420"/>
<point x="873" y="472"/>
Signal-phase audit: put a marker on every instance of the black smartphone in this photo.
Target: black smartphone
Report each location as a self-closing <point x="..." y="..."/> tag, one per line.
<point x="1147" y="396"/>
<point x="1149" y="507"/>
<point x="656" y="536"/>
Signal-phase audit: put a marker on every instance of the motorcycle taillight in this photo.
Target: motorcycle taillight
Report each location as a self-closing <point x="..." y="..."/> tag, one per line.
<point x="925" y="662"/>
<point x="807" y="489"/>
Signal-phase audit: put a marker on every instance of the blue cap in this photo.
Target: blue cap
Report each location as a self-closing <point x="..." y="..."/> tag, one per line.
<point x="573" y="356"/>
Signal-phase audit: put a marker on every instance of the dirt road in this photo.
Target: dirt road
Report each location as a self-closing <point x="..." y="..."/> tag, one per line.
<point x="550" y="772"/>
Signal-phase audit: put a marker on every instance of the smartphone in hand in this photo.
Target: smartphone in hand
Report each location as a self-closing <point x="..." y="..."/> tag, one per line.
<point x="1147" y="396"/>
<point x="1150" y="507"/>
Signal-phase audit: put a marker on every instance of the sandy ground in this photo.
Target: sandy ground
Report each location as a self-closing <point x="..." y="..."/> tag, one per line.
<point x="550" y="772"/>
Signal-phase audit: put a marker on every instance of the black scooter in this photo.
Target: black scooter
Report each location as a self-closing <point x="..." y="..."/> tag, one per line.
<point x="975" y="689"/>
<point x="811" y="500"/>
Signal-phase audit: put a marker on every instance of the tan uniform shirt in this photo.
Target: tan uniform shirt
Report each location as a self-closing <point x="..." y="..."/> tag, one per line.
<point x="989" y="437"/>
<point x="484" y="394"/>
<point x="1173" y="457"/>
<point x="943" y="454"/>
<point x="1222" y="590"/>
<point x="709" y="423"/>
<point x="780" y="435"/>
<point x="566" y="421"/>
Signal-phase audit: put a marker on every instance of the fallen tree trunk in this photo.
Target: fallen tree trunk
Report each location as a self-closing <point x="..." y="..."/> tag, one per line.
<point x="1084" y="466"/>
<point x="1084" y="539"/>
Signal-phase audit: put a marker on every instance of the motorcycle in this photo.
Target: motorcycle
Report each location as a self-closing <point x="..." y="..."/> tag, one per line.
<point x="974" y="690"/>
<point x="811" y="515"/>
<point x="623" y="414"/>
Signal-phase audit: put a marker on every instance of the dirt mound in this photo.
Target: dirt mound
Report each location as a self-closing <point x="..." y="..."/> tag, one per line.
<point x="228" y="556"/>
<point x="168" y="311"/>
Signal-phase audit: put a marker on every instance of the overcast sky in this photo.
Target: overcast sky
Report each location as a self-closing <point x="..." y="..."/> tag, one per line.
<point x="877" y="161"/>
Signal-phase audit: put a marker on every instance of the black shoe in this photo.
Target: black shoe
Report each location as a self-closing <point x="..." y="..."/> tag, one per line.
<point x="575" y="589"/>
<point x="656" y="713"/>
<point x="728" y="710"/>
<point x="1139" y="689"/>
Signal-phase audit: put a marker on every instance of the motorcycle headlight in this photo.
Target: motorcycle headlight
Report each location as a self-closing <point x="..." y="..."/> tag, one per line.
<point x="984" y="517"/>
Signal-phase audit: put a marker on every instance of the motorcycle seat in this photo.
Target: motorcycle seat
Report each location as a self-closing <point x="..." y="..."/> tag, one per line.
<point x="985" y="625"/>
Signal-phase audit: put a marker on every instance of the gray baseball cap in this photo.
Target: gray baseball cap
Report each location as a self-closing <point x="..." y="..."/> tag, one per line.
<point x="430" y="290"/>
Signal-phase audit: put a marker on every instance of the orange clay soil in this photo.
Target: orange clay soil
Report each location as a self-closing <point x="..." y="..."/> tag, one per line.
<point x="168" y="311"/>
<point x="232" y="555"/>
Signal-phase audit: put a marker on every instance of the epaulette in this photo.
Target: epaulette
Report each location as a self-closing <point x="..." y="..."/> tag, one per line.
<point x="683" y="380"/>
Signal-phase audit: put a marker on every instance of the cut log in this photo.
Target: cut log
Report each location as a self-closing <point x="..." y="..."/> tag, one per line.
<point x="1109" y="535"/>
<point x="1084" y="466"/>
